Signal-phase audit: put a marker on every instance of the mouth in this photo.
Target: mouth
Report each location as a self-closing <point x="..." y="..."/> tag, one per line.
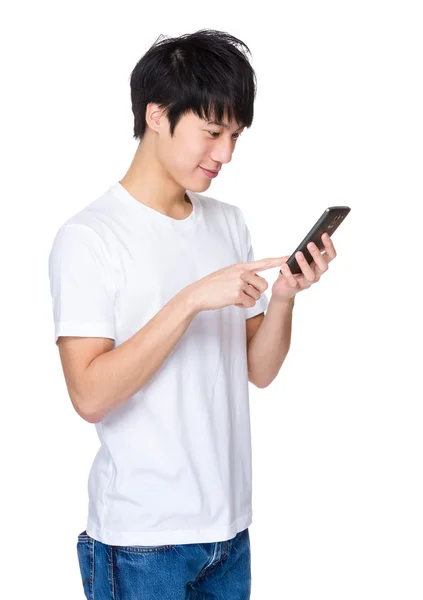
<point x="209" y="173"/>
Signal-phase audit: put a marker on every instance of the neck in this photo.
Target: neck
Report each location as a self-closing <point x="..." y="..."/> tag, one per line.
<point x="149" y="183"/>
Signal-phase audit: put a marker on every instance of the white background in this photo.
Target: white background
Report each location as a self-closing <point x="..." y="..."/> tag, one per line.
<point x="337" y="437"/>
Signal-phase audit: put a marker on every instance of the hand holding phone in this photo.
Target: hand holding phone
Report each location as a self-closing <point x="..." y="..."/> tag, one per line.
<point x="327" y="223"/>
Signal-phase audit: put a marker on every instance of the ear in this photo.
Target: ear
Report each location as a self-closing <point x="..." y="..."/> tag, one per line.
<point x="155" y="117"/>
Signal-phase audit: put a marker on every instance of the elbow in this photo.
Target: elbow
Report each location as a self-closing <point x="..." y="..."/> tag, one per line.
<point x="261" y="386"/>
<point x="90" y="418"/>
<point x="86" y="410"/>
<point x="256" y="383"/>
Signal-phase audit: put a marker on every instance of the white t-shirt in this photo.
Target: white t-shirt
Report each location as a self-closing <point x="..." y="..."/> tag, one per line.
<point x="174" y="464"/>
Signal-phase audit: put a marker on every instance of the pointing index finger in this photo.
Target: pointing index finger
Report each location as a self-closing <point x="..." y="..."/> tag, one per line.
<point x="264" y="263"/>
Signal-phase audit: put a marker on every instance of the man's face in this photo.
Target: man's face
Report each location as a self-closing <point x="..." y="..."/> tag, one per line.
<point x="197" y="143"/>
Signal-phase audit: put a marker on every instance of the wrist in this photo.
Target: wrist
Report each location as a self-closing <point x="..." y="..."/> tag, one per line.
<point x="190" y="299"/>
<point x="284" y="302"/>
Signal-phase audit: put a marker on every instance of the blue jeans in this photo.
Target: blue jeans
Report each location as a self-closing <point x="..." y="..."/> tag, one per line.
<point x="215" y="570"/>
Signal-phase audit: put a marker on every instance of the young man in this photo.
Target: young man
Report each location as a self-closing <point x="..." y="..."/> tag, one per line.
<point x="156" y="299"/>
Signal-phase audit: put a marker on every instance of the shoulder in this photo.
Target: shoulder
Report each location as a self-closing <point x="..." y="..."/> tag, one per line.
<point x="91" y="220"/>
<point x="76" y="244"/>
<point x="73" y="232"/>
<point x="88" y="227"/>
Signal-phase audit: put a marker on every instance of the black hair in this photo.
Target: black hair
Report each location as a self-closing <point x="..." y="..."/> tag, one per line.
<point x="204" y="72"/>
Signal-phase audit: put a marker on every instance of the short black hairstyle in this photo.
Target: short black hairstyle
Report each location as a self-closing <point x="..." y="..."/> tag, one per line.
<point x="206" y="72"/>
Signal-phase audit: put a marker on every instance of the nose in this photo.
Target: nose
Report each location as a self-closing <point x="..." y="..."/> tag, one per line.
<point x="222" y="150"/>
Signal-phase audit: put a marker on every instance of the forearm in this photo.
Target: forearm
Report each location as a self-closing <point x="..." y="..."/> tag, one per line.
<point x="114" y="376"/>
<point x="269" y="346"/>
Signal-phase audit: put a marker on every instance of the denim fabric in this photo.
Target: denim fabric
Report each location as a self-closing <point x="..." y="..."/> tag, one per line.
<point x="218" y="570"/>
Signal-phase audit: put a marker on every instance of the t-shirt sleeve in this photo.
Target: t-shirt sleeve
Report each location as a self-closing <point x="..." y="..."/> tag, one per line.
<point x="81" y="284"/>
<point x="262" y="303"/>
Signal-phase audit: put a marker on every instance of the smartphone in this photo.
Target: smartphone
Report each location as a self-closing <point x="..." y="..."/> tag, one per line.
<point x="327" y="223"/>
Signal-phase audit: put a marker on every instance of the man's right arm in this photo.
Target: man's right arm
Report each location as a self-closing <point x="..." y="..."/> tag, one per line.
<point x="98" y="387"/>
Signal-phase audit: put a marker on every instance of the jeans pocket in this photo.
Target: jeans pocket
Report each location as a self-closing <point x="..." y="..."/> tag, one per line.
<point x="85" y="552"/>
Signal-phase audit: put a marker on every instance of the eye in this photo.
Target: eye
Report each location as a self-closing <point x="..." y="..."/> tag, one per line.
<point x="214" y="134"/>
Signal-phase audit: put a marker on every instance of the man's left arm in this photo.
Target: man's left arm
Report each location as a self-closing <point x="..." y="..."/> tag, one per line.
<point x="268" y="348"/>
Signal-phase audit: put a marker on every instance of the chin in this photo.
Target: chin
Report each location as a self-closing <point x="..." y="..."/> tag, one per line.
<point x="205" y="186"/>
<point x="200" y="186"/>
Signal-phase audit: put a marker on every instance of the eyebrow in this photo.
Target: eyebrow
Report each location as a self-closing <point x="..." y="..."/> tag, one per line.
<point x="221" y="124"/>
